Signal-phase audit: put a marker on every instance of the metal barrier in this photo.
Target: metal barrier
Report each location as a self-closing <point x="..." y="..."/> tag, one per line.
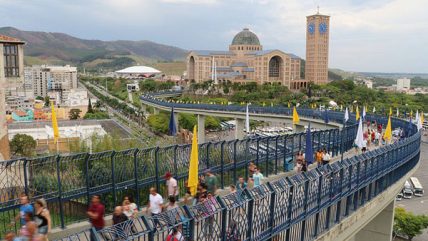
<point x="68" y="181"/>
<point x="300" y="207"/>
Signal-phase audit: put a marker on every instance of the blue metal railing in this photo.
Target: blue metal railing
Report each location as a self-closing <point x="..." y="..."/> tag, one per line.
<point x="67" y="182"/>
<point x="300" y="207"/>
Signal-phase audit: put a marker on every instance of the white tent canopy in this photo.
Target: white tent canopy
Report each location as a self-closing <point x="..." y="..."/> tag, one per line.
<point x="138" y="70"/>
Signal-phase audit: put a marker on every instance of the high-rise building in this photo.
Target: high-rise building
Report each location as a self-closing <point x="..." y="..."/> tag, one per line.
<point x="52" y="78"/>
<point x="317" y="41"/>
<point x="403" y="84"/>
<point x="11" y="82"/>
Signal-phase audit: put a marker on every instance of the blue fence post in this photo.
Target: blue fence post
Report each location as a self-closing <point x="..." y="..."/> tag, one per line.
<point x="272" y="206"/>
<point x="305" y="207"/>
<point x="157" y="169"/>
<point x="88" y="195"/>
<point x="276" y="155"/>
<point x="148" y="226"/>
<point x="257" y="151"/>
<point x="235" y="143"/>
<point x="223" y="218"/>
<point x="267" y="157"/>
<point x="290" y="207"/>
<point x="317" y="216"/>
<point x="285" y="154"/>
<point x="175" y="173"/>
<point x="136" y="168"/>
<point x="329" y="141"/>
<point x="113" y="177"/>
<point x="247" y="159"/>
<point x="249" y="214"/>
<point x="300" y="141"/>
<point x="26" y="178"/>
<point x="61" y="209"/>
<point x="208" y="154"/>
<point x="94" y="234"/>
<point x="222" y="164"/>
<point x="191" y="222"/>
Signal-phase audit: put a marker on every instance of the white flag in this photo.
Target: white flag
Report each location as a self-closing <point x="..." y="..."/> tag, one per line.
<point x="346" y="115"/>
<point x="364" y="112"/>
<point x="374" y="109"/>
<point x="398" y="113"/>
<point x="359" y="139"/>
<point x="418" y="120"/>
<point x="247" y="120"/>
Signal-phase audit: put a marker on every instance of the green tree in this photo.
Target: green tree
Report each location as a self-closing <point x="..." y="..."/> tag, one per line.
<point x="47" y="101"/>
<point x="187" y="121"/>
<point x="74" y="114"/>
<point x="148" y="85"/>
<point x="407" y="224"/>
<point x="212" y="123"/>
<point x="23" y="145"/>
<point x="97" y="115"/>
<point x="159" y="122"/>
<point x="90" y="109"/>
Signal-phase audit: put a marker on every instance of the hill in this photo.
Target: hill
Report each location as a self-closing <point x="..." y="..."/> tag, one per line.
<point x="60" y="48"/>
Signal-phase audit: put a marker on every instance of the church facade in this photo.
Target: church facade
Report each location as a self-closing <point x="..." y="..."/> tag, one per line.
<point x="246" y="61"/>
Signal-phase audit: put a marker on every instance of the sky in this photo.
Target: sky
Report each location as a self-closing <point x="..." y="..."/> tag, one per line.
<point x="365" y="35"/>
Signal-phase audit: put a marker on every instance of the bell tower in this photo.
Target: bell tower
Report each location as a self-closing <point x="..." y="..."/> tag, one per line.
<point x="317" y="45"/>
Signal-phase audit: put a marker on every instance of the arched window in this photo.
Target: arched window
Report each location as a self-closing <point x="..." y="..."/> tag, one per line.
<point x="275" y="66"/>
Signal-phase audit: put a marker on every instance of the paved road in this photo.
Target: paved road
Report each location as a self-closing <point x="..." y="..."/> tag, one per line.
<point x="419" y="205"/>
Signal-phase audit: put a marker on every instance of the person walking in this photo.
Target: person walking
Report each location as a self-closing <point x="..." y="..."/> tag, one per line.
<point x="211" y="182"/>
<point x="155" y="205"/>
<point x="172" y="186"/>
<point x="119" y="216"/>
<point x="96" y="213"/>
<point x="25" y="207"/>
<point x="257" y="176"/>
<point x="171" y="204"/>
<point x="318" y="157"/>
<point x="42" y="218"/>
<point x="241" y="184"/>
<point x="129" y="208"/>
<point x="326" y="157"/>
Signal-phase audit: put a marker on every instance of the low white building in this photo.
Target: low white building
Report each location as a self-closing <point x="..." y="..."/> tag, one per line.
<point x="75" y="97"/>
<point x="137" y="72"/>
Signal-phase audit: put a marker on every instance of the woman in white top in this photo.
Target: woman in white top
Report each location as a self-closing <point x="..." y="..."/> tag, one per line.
<point x="129" y="207"/>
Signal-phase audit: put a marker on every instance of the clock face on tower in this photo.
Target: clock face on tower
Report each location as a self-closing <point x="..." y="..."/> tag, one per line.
<point x="311" y="28"/>
<point x="323" y="28"/>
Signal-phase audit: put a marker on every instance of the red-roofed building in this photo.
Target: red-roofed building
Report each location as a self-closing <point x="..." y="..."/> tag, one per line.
<point x="11" y="82"/>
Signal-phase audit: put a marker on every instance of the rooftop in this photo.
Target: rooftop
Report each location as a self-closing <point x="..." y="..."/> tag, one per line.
<point x="8" y="39"/>
<point x="246" y="37"/>
<point x="138" y="70"/>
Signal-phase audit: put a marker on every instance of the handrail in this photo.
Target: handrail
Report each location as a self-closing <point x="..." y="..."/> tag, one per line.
<point x="69" y="180"/>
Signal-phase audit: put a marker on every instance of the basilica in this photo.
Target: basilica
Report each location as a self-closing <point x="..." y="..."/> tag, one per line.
<point x="246" y="61"/>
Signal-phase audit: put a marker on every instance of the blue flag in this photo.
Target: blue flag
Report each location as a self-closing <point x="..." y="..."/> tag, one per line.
<point x="326" y="120"/>
<point x="172" y="128"/>
<point x="309" y="152"/>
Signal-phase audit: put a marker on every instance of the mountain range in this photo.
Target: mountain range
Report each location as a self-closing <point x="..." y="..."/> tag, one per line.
<point x="60" y="48"/>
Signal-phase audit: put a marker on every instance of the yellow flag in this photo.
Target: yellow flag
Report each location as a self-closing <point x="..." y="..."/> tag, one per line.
<point x="411" y="113"/>
<point x="54" y="123"/>
<point x="288" y="104"/>
<point x="264" y="104"/>
<point x="422" y="118"/>
<point x="193" y="180"/>
<point x="388" y="131"/>
<point x="357" y="115"/>
<point x="390" y="111"/>
<point x="296" y="119"/>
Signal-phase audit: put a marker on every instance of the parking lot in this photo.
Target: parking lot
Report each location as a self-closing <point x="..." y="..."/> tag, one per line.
<point x="419" y="205"/>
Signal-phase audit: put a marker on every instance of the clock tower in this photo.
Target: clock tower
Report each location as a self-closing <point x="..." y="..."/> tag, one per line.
<point x="317" y="41"/>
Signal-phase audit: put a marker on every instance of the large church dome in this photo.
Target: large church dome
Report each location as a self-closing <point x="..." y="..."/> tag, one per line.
<point x="246" y="37"/>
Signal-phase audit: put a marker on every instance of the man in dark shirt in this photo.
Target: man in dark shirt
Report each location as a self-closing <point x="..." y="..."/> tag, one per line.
<point x="118" y="215"/>
<point x="96" y="214"/>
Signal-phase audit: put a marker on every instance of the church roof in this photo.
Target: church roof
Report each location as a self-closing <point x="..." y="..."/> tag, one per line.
<point x="245" y="37"/>
<point x="211" y="52"/>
